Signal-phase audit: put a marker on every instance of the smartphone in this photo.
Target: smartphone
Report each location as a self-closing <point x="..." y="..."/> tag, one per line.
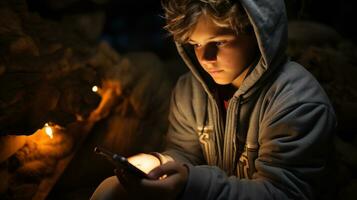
<point x="120" y="162"/>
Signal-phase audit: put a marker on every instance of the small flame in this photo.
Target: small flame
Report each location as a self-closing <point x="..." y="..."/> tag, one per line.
<point x="48" y="130"/>
<point x="95" y="88"/>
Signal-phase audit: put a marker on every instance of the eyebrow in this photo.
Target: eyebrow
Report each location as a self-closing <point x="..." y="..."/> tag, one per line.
<point x="218" y="35"/>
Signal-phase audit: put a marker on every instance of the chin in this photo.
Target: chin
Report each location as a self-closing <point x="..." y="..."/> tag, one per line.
<point x="222" y="82"/>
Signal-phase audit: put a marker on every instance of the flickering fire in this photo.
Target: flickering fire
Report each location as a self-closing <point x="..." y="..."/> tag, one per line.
<point x="48" y="130"/>
<point x="95" y="88"/>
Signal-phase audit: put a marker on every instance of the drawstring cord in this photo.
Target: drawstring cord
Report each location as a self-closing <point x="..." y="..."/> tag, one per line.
<point x="241" y="141"/>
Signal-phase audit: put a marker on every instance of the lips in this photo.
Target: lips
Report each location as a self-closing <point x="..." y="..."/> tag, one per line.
<point x="214" y="71"/>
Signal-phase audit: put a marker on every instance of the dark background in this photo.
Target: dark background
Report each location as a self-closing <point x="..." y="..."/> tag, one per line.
<point x="129" y="25"/>
<point x="137" y="25"/>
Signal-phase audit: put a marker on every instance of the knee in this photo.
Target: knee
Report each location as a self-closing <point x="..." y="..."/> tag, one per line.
<point x="110" y="188"/>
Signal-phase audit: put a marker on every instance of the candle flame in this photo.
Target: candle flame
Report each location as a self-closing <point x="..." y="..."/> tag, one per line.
<point x="95" y="88"/>
<point x="48" y="130"/>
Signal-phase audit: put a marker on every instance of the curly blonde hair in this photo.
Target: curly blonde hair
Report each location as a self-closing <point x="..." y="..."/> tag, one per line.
<point x="182" y="15"/>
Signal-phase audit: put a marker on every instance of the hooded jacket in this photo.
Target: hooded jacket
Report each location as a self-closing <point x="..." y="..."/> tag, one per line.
<point x="276" y="140"/>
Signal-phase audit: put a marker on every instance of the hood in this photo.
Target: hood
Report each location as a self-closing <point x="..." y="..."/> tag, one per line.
<point x="269" y="21"/>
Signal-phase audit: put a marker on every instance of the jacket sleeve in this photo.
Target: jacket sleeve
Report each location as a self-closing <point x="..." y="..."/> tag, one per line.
<point x="294" y="149"/>
<point x="182" y="140"/>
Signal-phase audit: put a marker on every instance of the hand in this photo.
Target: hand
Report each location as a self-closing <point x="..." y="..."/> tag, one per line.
<point x="174" y="179"/>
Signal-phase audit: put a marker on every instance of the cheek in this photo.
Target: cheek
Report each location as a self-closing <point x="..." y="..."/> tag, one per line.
<point x="231" y="59"/>
<point x="198" y="55"/>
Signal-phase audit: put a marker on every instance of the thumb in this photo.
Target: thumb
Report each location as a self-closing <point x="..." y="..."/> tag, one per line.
<point x="165" y="169"/>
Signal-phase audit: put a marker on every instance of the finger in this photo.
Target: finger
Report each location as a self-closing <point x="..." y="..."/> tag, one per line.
<point x="148" y="183"/>
<point x="169" y="188"/>
<point x="172" y="185"/>
<point x="168" y="169"/>
<point x="180" y="175"/>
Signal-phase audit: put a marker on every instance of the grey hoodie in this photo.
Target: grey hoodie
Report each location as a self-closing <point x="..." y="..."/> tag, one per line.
<point x="276" y="140"/>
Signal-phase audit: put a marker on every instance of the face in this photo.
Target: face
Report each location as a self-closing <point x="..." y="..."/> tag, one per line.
<point x="223" y="54"/>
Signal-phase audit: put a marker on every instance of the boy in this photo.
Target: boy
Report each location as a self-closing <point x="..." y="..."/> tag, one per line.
<point x="246" y="122"/>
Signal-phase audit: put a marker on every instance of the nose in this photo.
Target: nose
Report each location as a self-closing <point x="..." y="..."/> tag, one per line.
<point x="208" y="54"/>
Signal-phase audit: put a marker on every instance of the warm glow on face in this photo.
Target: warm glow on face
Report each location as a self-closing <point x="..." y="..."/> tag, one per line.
<point x="48" y="130"/>
<point x="222" y="53"/>
<point x="95" y="88"/>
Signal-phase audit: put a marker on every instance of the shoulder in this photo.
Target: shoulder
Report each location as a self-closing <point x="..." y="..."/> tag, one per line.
<point x="295" y="104"/>
<point x="294" y="88"/>
<point x="188" y="87"/>
<point x="188" y="81"/>
<point x="189" y="98"/>
<point x="294" y="83"/>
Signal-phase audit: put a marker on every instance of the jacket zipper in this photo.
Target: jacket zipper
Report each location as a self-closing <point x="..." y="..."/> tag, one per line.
<point x="218" y="133"/>
<point x="230" y="137"/>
